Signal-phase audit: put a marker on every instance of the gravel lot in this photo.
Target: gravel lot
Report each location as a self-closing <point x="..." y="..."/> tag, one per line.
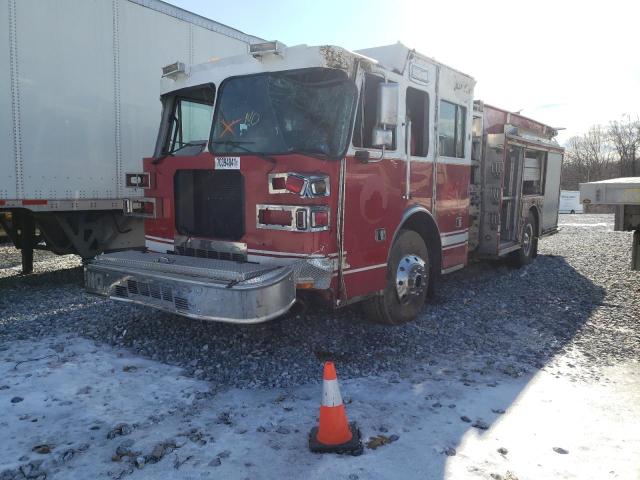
<point x="555" y="345"/>
<point x="578" y="293"/>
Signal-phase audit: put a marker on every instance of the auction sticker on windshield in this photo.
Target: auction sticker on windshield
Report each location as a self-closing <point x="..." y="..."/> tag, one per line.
<point x="227" y="163"/>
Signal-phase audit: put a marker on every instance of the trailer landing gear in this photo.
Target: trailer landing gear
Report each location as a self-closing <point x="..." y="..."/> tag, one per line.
<point x="26" y="239"/>
<point x="21" y="228"/>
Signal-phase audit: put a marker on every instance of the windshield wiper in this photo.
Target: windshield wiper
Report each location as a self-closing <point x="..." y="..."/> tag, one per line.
<point x="233" y="143"/>
<point x="315" y="153"/>
<point x="240" y="144"/>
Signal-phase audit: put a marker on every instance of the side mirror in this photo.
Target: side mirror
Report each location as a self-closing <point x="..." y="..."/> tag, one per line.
<point x="381" y="138"/>
<point x="387" y="113"/>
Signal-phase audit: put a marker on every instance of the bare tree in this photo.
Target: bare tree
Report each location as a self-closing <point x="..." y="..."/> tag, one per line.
<point x="590" y="155"/>
<point x="624" y="136"/>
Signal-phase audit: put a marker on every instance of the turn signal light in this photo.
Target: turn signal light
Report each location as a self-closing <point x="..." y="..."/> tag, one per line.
<point x="308" y="185"/>
<point x="141" y="208"/>
<point x="295" y="184"/>
<point x="148" y="208"/>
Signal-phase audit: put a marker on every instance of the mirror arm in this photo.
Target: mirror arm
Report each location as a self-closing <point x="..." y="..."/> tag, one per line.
<point x="381" y="157"/>
<point x="407" y="136"/>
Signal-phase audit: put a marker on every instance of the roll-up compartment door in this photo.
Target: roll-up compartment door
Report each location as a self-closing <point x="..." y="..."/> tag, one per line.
<point x="551" y="191"/>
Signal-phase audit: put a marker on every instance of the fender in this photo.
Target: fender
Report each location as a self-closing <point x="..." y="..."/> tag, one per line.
<point x="538" y="215"/>
<point x="418" y="218"/>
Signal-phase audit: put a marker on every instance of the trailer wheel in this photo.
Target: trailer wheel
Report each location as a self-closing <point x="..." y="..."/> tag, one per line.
<point x="529" y="249"/>
<point x="407" y="282"/>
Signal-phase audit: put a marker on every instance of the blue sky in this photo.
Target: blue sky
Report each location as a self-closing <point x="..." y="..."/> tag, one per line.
<point x="568" y="63"/>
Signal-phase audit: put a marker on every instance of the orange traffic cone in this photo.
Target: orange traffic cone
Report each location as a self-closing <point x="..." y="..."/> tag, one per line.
<point x="334" y="434"/>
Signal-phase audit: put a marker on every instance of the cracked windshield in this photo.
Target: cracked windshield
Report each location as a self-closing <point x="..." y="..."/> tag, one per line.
<point x="306" y="111"/>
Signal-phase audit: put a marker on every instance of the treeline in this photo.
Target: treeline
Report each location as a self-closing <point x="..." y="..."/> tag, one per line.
<point x="603" y="152"/>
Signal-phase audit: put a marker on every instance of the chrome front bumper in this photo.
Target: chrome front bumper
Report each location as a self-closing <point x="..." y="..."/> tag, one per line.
<point x="198" y="288"/>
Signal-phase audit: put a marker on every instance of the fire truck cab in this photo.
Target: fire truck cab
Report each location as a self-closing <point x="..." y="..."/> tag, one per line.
<point x="355" y="176"/>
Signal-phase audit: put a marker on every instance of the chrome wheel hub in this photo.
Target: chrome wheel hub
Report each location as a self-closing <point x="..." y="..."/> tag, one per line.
<point x="527" y="239"/>
<point x="411" y="278"/>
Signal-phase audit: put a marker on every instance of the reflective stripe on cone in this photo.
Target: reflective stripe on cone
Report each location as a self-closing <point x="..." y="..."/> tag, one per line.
<point x="334" y="426"/>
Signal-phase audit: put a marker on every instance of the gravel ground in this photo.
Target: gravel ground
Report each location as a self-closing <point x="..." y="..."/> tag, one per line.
<point x="579" y="297"/>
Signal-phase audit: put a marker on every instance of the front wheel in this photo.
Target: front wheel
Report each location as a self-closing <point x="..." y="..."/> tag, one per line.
<point x="408" y="277"/>
<point x="529" y="249"/>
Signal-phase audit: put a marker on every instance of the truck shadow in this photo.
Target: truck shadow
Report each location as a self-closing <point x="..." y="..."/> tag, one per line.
<point x="68" y="276"/>
<point x="477" y="346"/>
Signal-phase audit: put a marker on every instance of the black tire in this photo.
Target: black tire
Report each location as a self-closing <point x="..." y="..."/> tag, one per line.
<point x="529" y="249"/>
<point x="388" y="308"/>
<point x="572" y="212"/>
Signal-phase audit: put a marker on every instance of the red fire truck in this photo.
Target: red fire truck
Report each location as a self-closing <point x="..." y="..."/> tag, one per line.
<point x="354" y="176"/>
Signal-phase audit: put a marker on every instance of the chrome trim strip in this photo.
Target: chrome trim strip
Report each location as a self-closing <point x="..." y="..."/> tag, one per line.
<point x="158" y="246"/>
<point x="291" y="254"/>
<point x="159" y="239"/>
<point x="445" y="234"/>
<point x="452" y="269"/>
<point x="213" y="245"/>
<point x="210" y="318"/>
<point x="364" y="269"/>
<point x="451" y="239"/>
<point x="457" y="245"/>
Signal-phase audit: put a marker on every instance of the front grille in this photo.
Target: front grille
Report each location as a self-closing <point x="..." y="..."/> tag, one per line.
<point x="132" y="287"/>
<point x="210" y="204"/>
<point x="167" y="294"/>
<point x="212" y="254"/>
<point x="181" y="304"/>
<point x="157" y="291"/>
<point x="143" y="289"/>
<point x="154" y="291"/>
<point x="121" y="291"/>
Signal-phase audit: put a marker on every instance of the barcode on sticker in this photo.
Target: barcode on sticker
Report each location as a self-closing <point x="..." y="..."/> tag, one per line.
<point x="227" y="163"/>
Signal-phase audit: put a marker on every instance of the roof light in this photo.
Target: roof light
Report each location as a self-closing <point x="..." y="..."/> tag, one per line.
<point x="260" y="49"/>
<point x="173" y="70"/>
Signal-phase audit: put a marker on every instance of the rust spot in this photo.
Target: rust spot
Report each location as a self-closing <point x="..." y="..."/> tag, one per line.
<point x="337" y="58"/>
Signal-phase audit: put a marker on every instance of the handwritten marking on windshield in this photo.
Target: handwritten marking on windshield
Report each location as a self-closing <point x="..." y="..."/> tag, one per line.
<point x="228" y="127"/>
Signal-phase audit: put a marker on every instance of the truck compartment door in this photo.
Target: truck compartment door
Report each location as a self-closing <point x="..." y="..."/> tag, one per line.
<point x="551" y="191"/>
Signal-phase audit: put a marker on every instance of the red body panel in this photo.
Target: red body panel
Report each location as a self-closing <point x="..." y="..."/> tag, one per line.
<point x="373" y="199"/>
<point x="255" y="171"/>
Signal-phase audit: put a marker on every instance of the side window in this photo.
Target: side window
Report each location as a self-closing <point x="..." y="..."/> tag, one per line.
<point x="189" y="121"/>
<point x="366" y="115"/>
<point x="417" y="108"/>
<point x="451" y="129"/>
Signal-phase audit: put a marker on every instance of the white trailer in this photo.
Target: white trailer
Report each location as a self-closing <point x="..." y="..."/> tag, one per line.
<point x="570" y="202"/>
<point x="80" y="101"/>
<point x="624" y="193"/>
